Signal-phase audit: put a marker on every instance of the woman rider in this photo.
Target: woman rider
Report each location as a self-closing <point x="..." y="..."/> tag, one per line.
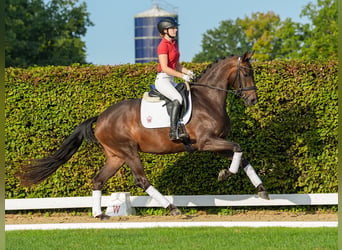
<point x="168" y="68"/>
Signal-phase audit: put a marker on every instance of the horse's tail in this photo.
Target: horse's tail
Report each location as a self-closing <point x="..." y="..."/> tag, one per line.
<point x="40" y="169"/>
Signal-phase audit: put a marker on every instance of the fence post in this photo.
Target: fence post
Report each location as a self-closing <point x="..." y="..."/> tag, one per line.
<point x="120" y="205"/>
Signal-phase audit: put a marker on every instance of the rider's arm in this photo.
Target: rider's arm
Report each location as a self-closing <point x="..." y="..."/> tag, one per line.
<point x="163" y="59"/>
<point x="182" y="69"/>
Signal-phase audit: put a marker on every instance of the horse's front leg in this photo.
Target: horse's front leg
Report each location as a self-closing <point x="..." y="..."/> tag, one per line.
<point x="233" y="152"/>
<point x="234" y="166"/>
<point x="255" y="179"/>
<point x="228" y="149"/>
<point x="249" y="170"/>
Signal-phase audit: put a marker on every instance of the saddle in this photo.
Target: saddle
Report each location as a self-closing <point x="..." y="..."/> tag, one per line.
<point x="155" y="96"/>
<point x="155" y="110"/>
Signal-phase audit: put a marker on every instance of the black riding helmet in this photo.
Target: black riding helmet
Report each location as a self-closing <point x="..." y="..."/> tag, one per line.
<point x="167" y="23"/>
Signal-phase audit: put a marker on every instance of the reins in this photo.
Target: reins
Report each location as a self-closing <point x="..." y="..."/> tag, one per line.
<point x="211" y="87"/>
<point x="237" y="76"/>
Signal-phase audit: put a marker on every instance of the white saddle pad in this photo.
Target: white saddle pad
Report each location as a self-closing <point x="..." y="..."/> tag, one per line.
<point x="154" y="114"/>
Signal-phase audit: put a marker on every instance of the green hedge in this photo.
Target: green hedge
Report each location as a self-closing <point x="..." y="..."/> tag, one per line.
<point x="290" y="136"/>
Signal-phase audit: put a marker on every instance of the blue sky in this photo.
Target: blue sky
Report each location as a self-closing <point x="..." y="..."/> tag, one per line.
<point x="111" y="40"/>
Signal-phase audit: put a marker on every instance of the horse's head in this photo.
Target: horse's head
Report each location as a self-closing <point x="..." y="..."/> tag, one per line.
<point x="243" y="79"/>
<point x="235" y="72"/>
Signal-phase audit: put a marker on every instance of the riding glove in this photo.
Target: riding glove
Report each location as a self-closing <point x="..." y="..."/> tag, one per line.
<point x="186" y="78"/>
<point x="191" y="74"/>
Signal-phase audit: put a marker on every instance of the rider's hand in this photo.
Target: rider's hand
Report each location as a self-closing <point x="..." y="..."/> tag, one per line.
<point x="186" y="78"/>
<point x="191" y="74"/>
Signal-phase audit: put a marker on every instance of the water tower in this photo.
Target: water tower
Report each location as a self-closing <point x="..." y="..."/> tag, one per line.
<point x="146" y="33"/>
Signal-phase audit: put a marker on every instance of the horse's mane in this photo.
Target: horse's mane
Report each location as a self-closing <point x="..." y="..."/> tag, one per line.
<point x="210" y="66"/>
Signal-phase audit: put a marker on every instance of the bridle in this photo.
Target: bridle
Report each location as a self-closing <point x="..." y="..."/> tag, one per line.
<point x="237" y="77"/>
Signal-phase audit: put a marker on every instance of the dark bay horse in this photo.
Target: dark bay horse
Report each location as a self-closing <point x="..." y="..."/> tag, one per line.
<point x="121" y="134"/>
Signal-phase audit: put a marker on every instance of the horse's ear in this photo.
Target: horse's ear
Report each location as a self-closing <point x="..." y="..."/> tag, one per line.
<point x="247" y="56"/>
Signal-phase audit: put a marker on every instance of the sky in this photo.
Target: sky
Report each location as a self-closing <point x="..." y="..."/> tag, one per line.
<point x="111" y="40"/>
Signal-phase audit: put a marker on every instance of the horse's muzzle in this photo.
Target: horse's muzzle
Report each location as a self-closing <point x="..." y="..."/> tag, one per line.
<point x="251" y="99"/>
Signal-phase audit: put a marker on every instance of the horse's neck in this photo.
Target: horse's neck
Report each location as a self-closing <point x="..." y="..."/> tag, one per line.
<point x="218" y="74"/>
<point x="212" y="98"/>
<point x="216" y="77"/>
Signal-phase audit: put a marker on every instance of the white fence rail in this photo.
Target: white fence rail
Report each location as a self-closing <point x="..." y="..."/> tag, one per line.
<point x="178" y="200"/>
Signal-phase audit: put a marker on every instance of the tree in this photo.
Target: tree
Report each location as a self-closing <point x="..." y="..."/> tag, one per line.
<point x="229" y="38"/>
<point x="272" y="38"/>
<point x="288" y="40"/>
<point x="321" y="37"/>
<point x="259" y="30"/>
<point x="45" y="34"/>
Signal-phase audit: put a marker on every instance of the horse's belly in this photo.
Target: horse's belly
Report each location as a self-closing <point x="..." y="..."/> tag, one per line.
<point x="158" y="142"/>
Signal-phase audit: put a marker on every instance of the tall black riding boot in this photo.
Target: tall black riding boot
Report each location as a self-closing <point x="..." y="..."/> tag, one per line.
<point x="174" y="117"/>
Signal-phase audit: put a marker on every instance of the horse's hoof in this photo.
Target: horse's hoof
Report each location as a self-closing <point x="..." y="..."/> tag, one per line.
<point x="103" y="217"/>
<point x="174" y="210"/>
<point x="224" y="175"/>
<point x="262" y="192"/>
<point x="264" y="195"/>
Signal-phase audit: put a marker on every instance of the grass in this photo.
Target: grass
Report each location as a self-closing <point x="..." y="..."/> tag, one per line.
<point x="175" y="238"/>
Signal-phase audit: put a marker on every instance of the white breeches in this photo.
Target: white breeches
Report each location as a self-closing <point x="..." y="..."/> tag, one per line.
<point x="165" y="84"/>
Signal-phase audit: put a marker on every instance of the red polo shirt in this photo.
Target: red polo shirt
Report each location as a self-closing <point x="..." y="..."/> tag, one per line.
<point x="171" y="49"/>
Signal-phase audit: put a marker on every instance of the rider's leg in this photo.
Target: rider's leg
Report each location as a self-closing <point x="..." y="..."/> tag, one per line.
<point x="165" y="85"/>
<point x="174" y="118"/>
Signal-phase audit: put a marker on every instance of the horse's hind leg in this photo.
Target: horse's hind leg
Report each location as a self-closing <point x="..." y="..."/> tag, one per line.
<point x="141" y="180"/>
<point x="113" y="163"/>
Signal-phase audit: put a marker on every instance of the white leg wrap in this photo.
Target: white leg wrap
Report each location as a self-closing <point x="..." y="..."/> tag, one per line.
<point x="234" y="166"/>
<point x="154" y="193"/>
<point x="96" y="203"/>
<point x="252" y="175"/>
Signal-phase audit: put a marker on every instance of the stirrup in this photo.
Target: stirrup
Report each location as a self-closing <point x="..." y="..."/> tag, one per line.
<point x="173" y="135"/>
<point x="182" y="131"/>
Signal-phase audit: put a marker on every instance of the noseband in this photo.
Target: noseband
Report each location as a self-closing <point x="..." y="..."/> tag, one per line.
<point x="237" y="77"/>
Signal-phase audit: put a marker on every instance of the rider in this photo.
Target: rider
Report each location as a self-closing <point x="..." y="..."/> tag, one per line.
<point x="168" y="68"/>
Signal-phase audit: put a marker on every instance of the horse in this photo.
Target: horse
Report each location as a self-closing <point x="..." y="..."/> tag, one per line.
<point x="120" y="133"/>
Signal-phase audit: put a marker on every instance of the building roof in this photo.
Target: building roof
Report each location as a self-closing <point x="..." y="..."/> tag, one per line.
<point x="155" y="11"/>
